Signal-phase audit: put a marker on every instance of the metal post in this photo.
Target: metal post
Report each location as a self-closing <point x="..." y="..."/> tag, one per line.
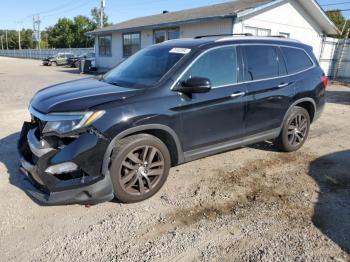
<point x="102" y="12"/>
<point x="342" y="54"/>
<point x="19" y="40"/>
<point x="2" y="42"/>
<point x="342" y="31"/>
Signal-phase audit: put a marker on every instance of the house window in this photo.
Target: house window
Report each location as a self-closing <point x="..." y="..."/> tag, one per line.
<point x="257" y="31"/>
<point x="286" y="35"/>
<point x="131" y="43"/>
<point x="105" y="45"/>
<point x="166" y="34"/>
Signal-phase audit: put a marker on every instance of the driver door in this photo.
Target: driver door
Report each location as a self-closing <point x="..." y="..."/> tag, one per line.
<point x="216" y="116"/>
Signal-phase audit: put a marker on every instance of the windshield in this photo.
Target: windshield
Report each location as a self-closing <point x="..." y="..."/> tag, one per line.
<point x="146" y="68"/>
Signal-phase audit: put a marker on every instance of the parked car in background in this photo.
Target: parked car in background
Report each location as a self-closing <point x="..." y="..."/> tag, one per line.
<point x="91" y="140"/>
<point x="75" y="60"/>
<point x="59" y="59"/>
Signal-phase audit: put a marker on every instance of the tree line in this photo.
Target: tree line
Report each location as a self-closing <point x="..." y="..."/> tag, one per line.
<point x="66" y="33"/>
<point x="340" y="21"/>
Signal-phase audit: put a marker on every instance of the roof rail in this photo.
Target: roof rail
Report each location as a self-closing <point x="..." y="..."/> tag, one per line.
<point x="278" y="36"/>
<point x="203" y="36"/>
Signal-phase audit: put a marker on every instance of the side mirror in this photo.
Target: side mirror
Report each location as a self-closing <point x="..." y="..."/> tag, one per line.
<point x="194" y="85"/>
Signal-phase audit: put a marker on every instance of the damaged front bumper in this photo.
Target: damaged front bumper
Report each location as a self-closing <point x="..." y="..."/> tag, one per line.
<point x="64" y="170"/>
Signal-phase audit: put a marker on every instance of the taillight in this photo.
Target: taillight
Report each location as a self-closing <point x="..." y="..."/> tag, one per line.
<point x="324" y="81"/>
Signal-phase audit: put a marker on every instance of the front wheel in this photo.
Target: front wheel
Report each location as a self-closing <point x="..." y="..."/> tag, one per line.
<point x="295" y="130"/>
<point x="139" y="167"/>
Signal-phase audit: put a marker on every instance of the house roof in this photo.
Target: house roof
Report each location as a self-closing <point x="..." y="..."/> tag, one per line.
<point x="216" y="11"/>
<point x="239" y="8"/>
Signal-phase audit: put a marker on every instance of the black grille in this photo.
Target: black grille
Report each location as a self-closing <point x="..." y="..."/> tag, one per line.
<point x="39" y="124"/>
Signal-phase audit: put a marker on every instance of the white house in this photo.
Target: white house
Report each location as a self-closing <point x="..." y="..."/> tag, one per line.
<point x="303" y="20"/>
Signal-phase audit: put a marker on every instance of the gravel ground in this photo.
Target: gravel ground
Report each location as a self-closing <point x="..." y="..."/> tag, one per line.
<point x="251" y="204"/>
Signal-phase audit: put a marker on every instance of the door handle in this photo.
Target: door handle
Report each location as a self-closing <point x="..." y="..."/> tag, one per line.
<point x="283" y="85"/>
<point x="238" y="94"/>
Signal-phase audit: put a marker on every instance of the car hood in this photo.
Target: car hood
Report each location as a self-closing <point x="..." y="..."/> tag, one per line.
<point x="78" y="95"/>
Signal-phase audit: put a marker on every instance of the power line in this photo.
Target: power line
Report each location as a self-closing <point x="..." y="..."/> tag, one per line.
<point x="342" y="3"/>
<point x="58" y="8"/>
<point x="68" y="9"/>
<point x="338" y="10"/>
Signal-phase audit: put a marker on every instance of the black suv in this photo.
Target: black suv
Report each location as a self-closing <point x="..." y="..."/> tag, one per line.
<point x="94" y="139"/>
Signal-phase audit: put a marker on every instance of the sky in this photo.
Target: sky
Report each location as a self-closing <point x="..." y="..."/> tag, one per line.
<point x="17" y="14"/>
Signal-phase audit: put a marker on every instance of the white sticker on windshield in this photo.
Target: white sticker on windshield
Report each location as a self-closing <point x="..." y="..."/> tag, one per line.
<point x="177" y="50"/>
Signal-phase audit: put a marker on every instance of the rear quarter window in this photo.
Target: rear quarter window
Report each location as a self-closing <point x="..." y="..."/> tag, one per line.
<point x="296" y="60"/>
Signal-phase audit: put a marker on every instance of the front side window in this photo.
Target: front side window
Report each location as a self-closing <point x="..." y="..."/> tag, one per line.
<point x="146" y="68"/>
<point x="296" y="60"/>
<point x="131" y="43"/>
<point x="218" y="65"/>
<point x="262" y="62"/>
<point x="105" y="45"/>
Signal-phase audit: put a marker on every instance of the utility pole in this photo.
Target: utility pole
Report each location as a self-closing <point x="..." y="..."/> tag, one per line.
<point x="103" y="4"/>
<point x="2" y="42"/>
<point x="36" y="30"/>
<point x="7" y="42"/>
<point x="19" y="40"/>
<point x="19" y="35"/>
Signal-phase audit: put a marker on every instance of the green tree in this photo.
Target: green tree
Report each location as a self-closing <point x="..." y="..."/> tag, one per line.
<point x="81" y="25"/>
<point x="27" y="39"/>
<point x="12" y="38"/>
<point x="61" y="34"/>
<point x="44" y="44"/>
<point x="338" y="19"/>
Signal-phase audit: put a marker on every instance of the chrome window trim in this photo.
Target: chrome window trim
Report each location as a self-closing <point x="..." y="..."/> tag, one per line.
<point x="195" y="60"/>
<point x="251" y="81"/>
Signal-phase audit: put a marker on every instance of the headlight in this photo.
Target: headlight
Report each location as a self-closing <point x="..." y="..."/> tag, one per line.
<point x="66" y="123"/>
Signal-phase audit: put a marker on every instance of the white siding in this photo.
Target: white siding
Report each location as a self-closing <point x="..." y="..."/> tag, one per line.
<point x="206" y="28"/>
<point x="286" y="18"/>
<point x="117" y="53"/>
<point x="289" y="18"/>
<point x="187" y="30"/>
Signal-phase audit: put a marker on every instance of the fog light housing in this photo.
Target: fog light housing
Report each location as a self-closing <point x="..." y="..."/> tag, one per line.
<point x="61" y="168"/>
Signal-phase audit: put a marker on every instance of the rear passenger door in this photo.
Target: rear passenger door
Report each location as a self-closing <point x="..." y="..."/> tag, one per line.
<point x="269" y="89"/>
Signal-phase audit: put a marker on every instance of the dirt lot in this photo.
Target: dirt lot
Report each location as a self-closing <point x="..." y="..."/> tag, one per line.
<point x="252" y="204"/>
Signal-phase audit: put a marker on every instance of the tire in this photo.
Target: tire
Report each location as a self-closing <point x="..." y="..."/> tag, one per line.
<point x="295" y="130"/>
<point x="53" y="63"/>
<point x="132" y="165"/>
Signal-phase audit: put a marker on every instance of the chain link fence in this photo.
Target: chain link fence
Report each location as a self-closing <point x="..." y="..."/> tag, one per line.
<point x="42" y="53"/>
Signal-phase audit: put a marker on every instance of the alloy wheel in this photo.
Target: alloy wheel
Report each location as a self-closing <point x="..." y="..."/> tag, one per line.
<point x="297" y="130"/>
<point x="141" y="170"/>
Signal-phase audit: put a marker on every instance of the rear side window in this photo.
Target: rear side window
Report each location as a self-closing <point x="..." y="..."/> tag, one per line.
<point x="219" y="65"/>
<point x="296" y="60"/>
<point x="262" y="62"/>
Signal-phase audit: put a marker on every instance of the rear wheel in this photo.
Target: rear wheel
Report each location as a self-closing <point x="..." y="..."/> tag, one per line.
<point x="295" y="130"/>
<point x="53" y="63"/>
<point x="140" y="165"/>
